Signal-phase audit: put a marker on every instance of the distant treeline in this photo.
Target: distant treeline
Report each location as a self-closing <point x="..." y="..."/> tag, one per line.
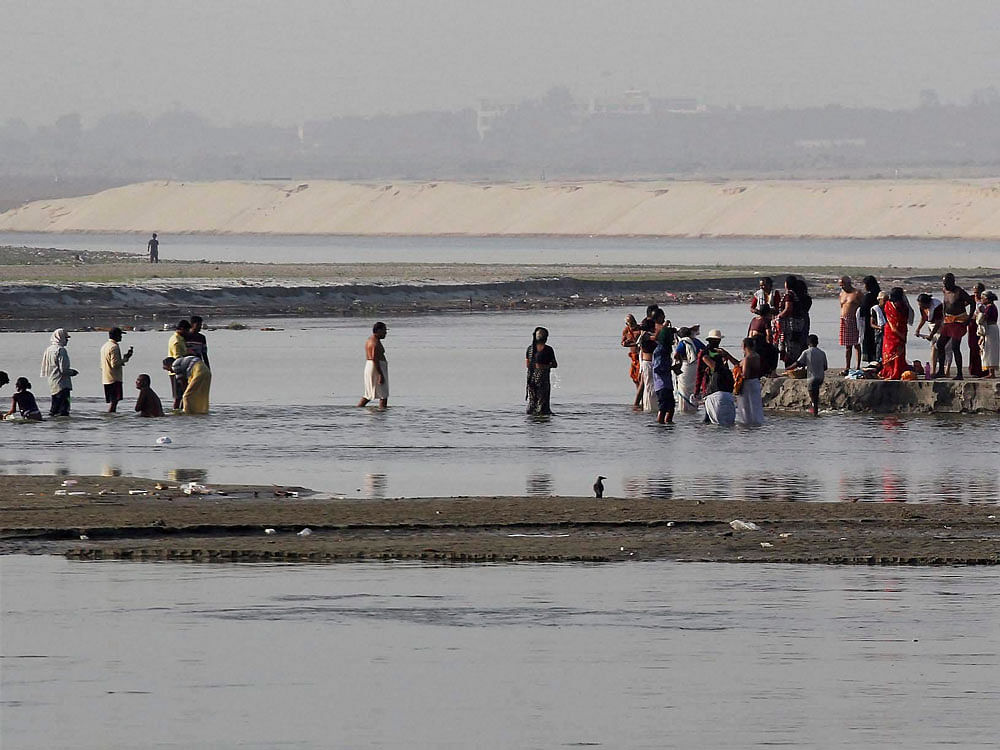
<point x="556" y="136"/>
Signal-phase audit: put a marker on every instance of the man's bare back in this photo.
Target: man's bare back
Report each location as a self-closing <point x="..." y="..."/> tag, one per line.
<point x="374" y="349"/>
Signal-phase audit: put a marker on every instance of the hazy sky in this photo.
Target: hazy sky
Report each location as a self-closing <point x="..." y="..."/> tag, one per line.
<point x="289" y="60"/>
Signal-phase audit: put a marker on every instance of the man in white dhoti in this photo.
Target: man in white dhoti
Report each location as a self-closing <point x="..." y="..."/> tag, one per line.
<point x="376" y="368"/>
<point x="686" y="355"/>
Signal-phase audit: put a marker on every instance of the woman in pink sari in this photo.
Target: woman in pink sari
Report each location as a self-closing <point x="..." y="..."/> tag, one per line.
<point x="897" y="318"/>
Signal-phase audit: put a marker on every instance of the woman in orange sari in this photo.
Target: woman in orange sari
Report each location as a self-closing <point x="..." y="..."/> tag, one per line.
<point x="630" y="334"/>
<point x="897" y="318"/>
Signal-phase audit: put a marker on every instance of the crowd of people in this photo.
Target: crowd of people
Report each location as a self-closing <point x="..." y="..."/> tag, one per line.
<point x="672" y="368"/>
<point x="186" y="364"/>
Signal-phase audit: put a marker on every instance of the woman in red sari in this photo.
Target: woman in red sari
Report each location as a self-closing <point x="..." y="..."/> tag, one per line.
<point x="897" y="318"/>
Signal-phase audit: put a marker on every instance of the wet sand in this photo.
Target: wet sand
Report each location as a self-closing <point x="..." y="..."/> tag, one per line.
<point x="165" y="524"/>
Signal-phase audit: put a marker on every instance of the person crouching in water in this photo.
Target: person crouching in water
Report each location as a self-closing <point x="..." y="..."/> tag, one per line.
<point x="540" y="360"/>
<point x="715" y="381"/>
<point x="23" y="402"/>
<point x="148" y="403"/>
<point x="198" y="379"/>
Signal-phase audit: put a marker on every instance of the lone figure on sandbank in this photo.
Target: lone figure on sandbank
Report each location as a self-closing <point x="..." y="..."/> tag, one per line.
<point x="153" y="246"/>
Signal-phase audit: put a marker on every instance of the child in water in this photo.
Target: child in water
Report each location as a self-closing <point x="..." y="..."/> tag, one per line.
<point x="23" y="401"/>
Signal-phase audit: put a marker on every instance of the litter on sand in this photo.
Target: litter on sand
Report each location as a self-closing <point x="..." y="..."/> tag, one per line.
<point x="540" y="536"/>
<point x="69" y="483"/>
<point x="78" y="493"/>
<point x="270" y="531"/>
<point x="163" y="440"/>
<point x="765" y="545"/>
<point x="738" y="525"/>
<point x="785" y="535"/>
<point x="305" y="532"/>
<point x="138" y="492"/>
<point x="59" y="492"/>
<point x="84" y="537"/>
<point x="193" y="488"/>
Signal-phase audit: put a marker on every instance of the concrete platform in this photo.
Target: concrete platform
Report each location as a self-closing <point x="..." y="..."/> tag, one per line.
<point x="971" y="396"/>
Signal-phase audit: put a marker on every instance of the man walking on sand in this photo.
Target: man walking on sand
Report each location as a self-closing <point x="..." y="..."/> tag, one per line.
<point x="112" y="364"/>
<point x="376" y="368"/>
<point x="154" y="249"/>
<point x="850" y="334"/>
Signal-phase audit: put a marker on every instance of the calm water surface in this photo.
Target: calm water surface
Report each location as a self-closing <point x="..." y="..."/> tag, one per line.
<point x="283" y="412"/>
<point x="645" y="655"/>
<point x="595" y="250"/>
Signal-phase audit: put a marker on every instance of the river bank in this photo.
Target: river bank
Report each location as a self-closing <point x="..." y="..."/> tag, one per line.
<point x="965" y="209"/>
<point x="44" y="285"/>
<point x="102" y="520"/>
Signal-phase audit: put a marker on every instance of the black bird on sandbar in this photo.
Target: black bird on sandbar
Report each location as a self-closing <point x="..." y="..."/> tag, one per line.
<point x="599" y="486"/>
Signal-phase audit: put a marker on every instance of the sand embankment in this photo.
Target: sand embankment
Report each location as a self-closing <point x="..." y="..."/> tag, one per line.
<point x="164" y="524"/>
<point x="965" y="209"/>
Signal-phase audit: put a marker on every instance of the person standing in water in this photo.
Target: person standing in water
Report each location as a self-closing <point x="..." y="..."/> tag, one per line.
<point x="197" y="344"/>
<point x="112" y="364"/>
<point x="176" y="349"/>
<point x="958" y="306"/>
<point x="376" y="368"/>
<point x="153" y="246"/>
<point x="540" y="360"/>
<point x="56" y="369"/>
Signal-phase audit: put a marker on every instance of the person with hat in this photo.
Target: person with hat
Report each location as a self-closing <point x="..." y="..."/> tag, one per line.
<point x="112" y="366"/>
<point x="715" y="380"/>
<point x="176" y="349"/>
<point x="56" y="369"/>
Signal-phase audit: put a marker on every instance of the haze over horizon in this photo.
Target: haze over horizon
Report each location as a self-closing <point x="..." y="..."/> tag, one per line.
<point x="253" y="61"/>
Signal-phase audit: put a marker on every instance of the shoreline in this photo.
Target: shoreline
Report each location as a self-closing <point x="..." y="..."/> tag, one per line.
<point x="165" y="524"/>
<point x="44" y="285"/>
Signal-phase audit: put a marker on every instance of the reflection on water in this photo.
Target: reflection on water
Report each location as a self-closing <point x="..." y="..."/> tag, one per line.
<point x="376" y="485"/>
<point x="630" y="655"/>
<point x="538" y="483"/>
<point x="462" y="430"/>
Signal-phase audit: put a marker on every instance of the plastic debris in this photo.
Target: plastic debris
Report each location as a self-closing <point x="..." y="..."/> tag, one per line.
<point x="84" y="537"/>
<point x="163" y="440"/>
<point x="78" y="493"/>
<point x="59" y="492"/>
<point x="738" y="525"/>
<point x="193" y="488"/>
<point x="69" y="483"/>
<point x="990" y="518"/>
<point x="765" y="545"/>
<point x="785" y="535"/>
<point x="670" y="523"/>
<point x="138" y="492"/>
<point x="538" y="536"/>
<point x="270" y="531"/>
<point x="305" y="532"/>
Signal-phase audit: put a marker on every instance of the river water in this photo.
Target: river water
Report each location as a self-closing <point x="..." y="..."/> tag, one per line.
<point x="645" y="655"/>
<point x="535" y="250"/>
<point x="283" y="412"/>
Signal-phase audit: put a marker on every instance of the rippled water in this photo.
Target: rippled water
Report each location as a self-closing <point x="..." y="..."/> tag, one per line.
<point x="283" y="413"/>
<point x="532" y="250"/>
<point x="644" y="655"/>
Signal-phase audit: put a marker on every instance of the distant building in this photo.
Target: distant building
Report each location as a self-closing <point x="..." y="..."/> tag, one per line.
<point x="487" y="112"/>
<point x="631" y="102"/>
<point x="639" y="102"/>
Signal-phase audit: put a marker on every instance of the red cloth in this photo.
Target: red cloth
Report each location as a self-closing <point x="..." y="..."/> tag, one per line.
<point x="849" y="331"/>
<point x="894" y="342"/>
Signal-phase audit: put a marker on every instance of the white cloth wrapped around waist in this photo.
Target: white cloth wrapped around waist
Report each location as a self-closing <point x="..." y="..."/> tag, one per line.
<point x="373" y="388"/>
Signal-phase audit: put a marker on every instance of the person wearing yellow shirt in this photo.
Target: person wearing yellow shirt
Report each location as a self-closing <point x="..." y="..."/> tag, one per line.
<point x="177" y="348"/>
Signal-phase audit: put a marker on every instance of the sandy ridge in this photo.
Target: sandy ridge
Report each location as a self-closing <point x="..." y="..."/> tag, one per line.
<point x="166" y="524"/>
<point x="965" y="209"/>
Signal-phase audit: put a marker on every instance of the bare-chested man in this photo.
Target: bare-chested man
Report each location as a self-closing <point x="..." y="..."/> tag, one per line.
<point x="850" y="335"/>
<point x="958" y="306"/>
<point x="376" y="368"/>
